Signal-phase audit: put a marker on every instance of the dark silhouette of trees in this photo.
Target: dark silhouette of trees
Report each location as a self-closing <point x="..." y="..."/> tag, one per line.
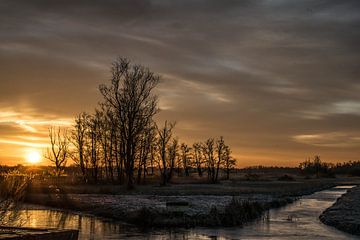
<point x="198" y="157"/>
<point x="166" y="164"/>
<point x="58" y="151"/>
<point x="145" y="151"/>
<point x="173" y="155"/>
<point x="351" y="168"/>
<point x="217" y="155"/>
<point x="186" y="158"/>
<point x="78" y="139"/>
<point x="120" y="142"/>
<point x="316" y="167"/>
<point x="209" y="154"/>
<point x="130" y="95"/>
<point x="229" y="162"/>
<point x="220" y="147"/>
<point x="94" y="135"/>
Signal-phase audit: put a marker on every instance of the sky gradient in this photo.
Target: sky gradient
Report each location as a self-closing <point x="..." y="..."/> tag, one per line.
<point x="278" y="79"/>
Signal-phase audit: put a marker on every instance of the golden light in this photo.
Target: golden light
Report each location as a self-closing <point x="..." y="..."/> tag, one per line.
<point x="33" y="157"/>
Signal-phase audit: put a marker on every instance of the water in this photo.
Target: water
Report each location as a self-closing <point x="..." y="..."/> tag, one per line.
<point x="298" y="220"/>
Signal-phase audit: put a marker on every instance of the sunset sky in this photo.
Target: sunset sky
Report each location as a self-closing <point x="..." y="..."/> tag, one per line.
<point x="279" y="79"/>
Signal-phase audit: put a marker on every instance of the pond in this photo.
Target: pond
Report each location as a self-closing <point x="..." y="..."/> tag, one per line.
<point x="298" y="220"/>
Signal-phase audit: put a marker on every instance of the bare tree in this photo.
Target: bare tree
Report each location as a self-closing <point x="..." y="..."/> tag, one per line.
<point x="220" y="147"/>
<point x="164" y="137"/>
<point x="78" y="140"/>
<point x="94" y="145"/>
<point x="229" y="162"/>
<point x="198" y="158"/>
<point x="209" y="155"/>
<point x="173" y="154"/>
<point x="146" y="144"/>
<point x="57" y="153"/>
<point x="112" y="123"/>
<point x="130" y="95"/>
<point x="185" y="157"/>
<point x="106" y="139"/>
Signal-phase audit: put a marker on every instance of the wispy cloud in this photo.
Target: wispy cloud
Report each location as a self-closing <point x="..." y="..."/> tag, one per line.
<point x="332" y="139"/>
<point x="23" y="143"/>
<point x="349" y="107"/>
<point x="180" y="87"/>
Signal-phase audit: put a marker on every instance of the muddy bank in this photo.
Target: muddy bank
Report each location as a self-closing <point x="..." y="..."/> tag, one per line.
<point x="345" y="213"/>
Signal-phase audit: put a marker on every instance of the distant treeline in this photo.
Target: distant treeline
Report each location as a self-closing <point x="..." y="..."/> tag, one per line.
<point x="121" y="142"/>
<point x="269" y="169"/>
<point x="320" y="168"/>
<point x="308" y="167"/>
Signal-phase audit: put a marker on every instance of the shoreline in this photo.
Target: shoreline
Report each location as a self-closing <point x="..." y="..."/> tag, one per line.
<point x="344" y="214"/>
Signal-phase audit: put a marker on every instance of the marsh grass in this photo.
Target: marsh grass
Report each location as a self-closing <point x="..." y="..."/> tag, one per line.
<point x="236" y="213"/>
<point x="12" y="190"/>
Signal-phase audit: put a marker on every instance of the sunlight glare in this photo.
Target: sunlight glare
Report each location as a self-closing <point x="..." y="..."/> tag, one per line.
<point x="33" y="157"/>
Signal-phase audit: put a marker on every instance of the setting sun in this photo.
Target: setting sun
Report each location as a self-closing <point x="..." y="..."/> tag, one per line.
<point x="33" y="157"/>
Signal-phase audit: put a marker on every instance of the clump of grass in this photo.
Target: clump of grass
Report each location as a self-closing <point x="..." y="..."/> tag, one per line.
<point x="238" y="212"/>
<point x="12" y="190"/>
<point x="13" y="185"/>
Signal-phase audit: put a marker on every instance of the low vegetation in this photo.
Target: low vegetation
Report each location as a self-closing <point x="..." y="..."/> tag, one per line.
<point x="13" y="187"/>
<point x="236" y="213"/>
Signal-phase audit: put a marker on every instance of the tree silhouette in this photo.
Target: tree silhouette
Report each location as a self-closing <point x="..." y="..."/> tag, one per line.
<point x="166" y="164"/>
<point x="198" y="158"/>
<point x="130" y="95"/>
<point x="58" y="151"/>
<point x="78" y="139"/>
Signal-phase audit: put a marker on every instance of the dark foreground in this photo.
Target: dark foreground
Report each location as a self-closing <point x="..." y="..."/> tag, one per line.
<point x="345" y="213"/>
<point x="298" y="220"/>
<point x="182" y="205"/>
<point x="22" y="233"/>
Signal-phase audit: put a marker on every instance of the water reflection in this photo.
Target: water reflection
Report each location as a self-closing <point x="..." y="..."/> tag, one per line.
<point x="295" y="221"/>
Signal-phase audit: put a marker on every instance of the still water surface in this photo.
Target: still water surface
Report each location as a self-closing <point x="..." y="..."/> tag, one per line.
<point x="298" y="220"/>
